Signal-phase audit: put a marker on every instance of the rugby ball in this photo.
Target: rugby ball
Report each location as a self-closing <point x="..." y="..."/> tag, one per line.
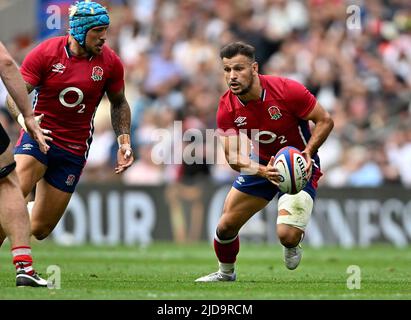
<point x="291" y="165"/>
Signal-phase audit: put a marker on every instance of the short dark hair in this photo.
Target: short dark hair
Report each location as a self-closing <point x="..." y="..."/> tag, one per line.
<point x="235" y="48"/>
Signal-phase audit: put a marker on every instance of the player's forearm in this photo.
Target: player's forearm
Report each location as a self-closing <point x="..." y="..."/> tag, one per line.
<point x="319" y="135"/>
<point x="245" y="165"/>
<point x="121" y="118"/>
<point x="12" y="107"/>
<point x="17" y="101"/>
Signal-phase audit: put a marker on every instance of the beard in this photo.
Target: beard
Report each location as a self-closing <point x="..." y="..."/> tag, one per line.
<point x="92" y="50"/>
<point x="89" y="50"/>
<point x="247" y="89"/>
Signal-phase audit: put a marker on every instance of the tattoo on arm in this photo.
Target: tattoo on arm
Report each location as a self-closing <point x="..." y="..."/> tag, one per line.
<point x="12" y="106"/>
<point x="120" y="113"/>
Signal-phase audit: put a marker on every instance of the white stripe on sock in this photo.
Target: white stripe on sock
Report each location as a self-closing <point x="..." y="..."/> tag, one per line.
<point x="224" y="241"/>
<point x="21" y="251"/>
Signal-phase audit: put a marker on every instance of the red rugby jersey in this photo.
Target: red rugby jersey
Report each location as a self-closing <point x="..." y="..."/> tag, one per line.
<point x="69" y="90"/>
<point x="272" y="122"/>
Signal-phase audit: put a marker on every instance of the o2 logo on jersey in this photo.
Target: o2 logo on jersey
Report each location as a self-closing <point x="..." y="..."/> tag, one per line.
<point x="78" y="102"/>
<point x="266" y="137"/>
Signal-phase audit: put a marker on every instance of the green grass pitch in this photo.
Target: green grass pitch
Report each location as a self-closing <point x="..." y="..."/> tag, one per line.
<point x="166" y="271"/>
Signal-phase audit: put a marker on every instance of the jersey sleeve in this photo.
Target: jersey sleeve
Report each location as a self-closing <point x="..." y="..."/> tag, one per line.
<point x="32" y="66"/>
<point x="225" y="121"/>
<point x="116" y="81"/>
<point x="298" y="98"/>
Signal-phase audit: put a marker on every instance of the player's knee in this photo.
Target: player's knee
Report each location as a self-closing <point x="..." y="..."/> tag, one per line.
<point x="227" y="227"/>
<point x="40" y="235"/>
<point x="226" y="231"/>
<point x="40" y="232"/>
<point x="289" y="236"/>
<point x="295" y="210"/>
<point x="289" y="241"/>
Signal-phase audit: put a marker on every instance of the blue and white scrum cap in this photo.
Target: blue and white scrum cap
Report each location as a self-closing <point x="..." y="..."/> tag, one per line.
<point x="85" y="15"/>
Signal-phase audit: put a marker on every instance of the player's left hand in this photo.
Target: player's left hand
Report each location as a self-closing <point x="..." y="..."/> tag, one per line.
<point x="124" y="158"/>
<point x="309" y="161"/>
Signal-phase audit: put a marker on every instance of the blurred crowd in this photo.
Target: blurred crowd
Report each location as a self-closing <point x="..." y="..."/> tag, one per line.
<point x="358" y="67"/>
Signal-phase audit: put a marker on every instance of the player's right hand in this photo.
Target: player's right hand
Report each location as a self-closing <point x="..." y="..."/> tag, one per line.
<point x="271" y="172"/>
<point x="40" y="135"/>
<point x="124" y="158"/>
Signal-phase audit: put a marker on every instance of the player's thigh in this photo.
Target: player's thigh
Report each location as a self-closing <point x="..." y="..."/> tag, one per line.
<point x="49" y="206"/>
<point x="29" y="171"/>
<point x="239" y="207"/>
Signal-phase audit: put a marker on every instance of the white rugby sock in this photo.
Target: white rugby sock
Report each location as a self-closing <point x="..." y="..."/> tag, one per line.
<point x="226" y="267"/>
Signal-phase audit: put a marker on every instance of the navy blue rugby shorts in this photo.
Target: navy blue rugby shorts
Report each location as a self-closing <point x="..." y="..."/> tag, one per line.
<point x="261" y="187"/>
<point x="63" y="167"/>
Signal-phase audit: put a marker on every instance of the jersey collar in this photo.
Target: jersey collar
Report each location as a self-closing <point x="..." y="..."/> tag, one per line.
<point x="68" y="52"/>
